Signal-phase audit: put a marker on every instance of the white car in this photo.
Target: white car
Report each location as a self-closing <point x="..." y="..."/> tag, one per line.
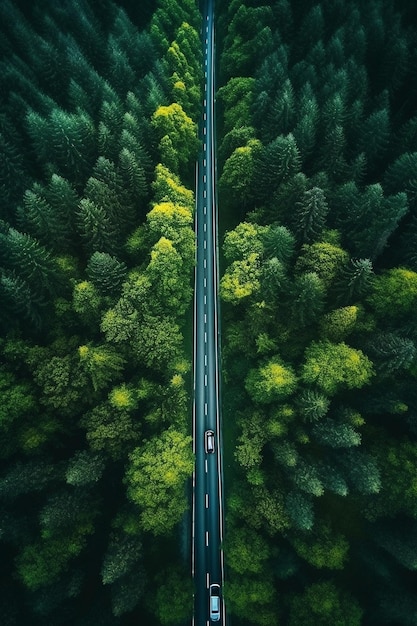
<point x="209" y="442"/>
<point x="215" y="602"/>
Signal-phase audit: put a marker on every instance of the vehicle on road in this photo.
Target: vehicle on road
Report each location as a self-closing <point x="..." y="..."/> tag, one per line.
<point x="209" y="441"/>
<point x="215" y="602"/>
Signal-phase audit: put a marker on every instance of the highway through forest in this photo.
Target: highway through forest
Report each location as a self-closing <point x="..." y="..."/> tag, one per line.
<point x="207" y="505"/>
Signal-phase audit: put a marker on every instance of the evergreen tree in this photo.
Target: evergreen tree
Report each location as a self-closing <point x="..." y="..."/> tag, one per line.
<point x="310" y="215"/>
<point x="106" y="272"/>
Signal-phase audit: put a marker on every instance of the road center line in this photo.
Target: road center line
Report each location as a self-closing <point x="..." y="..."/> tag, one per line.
<point x="207" y="500"/>
<point x="207" y="538"/>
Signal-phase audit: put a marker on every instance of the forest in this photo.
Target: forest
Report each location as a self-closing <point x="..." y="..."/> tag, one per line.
<point x="317" y="193"/>
<point x="317" y="161"/>
<point x="98" y="140"/>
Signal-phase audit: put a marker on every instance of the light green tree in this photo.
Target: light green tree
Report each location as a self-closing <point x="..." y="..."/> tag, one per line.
<point x="172" y="122"/>
<point x="334" y="366"/>
<point x="155" y="480"/>
<point x="394" y="293"/>
<point x="245" y="239"/>
<point x="271" y="382"/>
<point x="241" y="279"/>
<point x="102" y="364"/>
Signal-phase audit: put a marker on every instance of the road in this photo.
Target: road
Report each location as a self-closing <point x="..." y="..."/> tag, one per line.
<point x="207" y="556"/>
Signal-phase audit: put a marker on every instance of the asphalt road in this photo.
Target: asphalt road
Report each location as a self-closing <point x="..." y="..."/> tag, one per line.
<point x="207" y="556"/>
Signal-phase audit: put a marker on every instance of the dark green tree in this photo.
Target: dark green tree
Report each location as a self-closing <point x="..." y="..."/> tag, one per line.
<point x="106" y="272"/>
<point x="310" y="215"/>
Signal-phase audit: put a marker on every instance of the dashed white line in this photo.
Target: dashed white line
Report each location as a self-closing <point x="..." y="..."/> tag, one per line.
<point x="205" y="244"/>
<point x="205" y="227"/>
<point x="205" y="281"/>
<point x="207" y="500"/>
<point x="205" y="337"/>
<point x="205" y="380"/>
<point x="207" y="580"/>
<point x="205" y="413"/>
<point x="205" y="321"/>
<point x="205" y="160"/>
<point x="207" y="537"/>
<point x="204" y="178"/>
<point x="204" y="193"/>
<point x="206" y="466"/>
<point x="205" y="263"/>
<point x="205" y="299"/>
<point x="205" y="360"/>
<point x="204" y="146"/>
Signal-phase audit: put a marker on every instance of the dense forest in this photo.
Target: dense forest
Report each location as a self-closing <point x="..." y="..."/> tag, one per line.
<point x="98" y="140"/>
<point x="317" y="161"/>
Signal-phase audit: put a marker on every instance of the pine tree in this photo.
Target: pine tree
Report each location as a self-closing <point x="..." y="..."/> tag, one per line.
<point x="122" y="555"/>
<point x="391" y="352"/>
<point x="84" y="468"/>
<point x="278" y="242"/>
<point x="312" y="405"/>
<point x="97" y="229"/>
<point x="336" y="435"/>
<point x="277" y="163"/>
<point x="18" y="302"/>
<point x="106" y="272"/>
<point x="310" y="215"/>
<point x="307" y="298"/>
<point x="360" y="470"/>
<point x="31" y="262"/>
<point x="356" y="280"/>
<point x="299" y="507"/>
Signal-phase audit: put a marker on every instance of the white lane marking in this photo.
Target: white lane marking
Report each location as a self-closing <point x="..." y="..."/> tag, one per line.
<point x="204" y="146"/>
<point x="205" y="62"/>
<point x="205" y="299"/>
<point x="205" y="321"/>
<point x="206" y="40"/>
<point x="205" y="86"/>
<point x="207" y="500"/>
<point x="207" y="537"/>
<point x="205" y="380"/>
<point x="205" y="281"/>
<point x="204" y="193"/>
<point x="205" y="244"/>
<point x="205" y="227"/>
<point x="206" y="466"/>
<point x="204" y="177"/>
<point x="205" y="360"/>
<point x="205" y="337"/>
<point x="205" y="413"/>
<point x="205" y="74"/>
<point x="205" y="210"/>
<point x="205" y="102"/>
<point x="204" y="162"/>
<point x="207" y="580"/>
<point x="205" y="263"/>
